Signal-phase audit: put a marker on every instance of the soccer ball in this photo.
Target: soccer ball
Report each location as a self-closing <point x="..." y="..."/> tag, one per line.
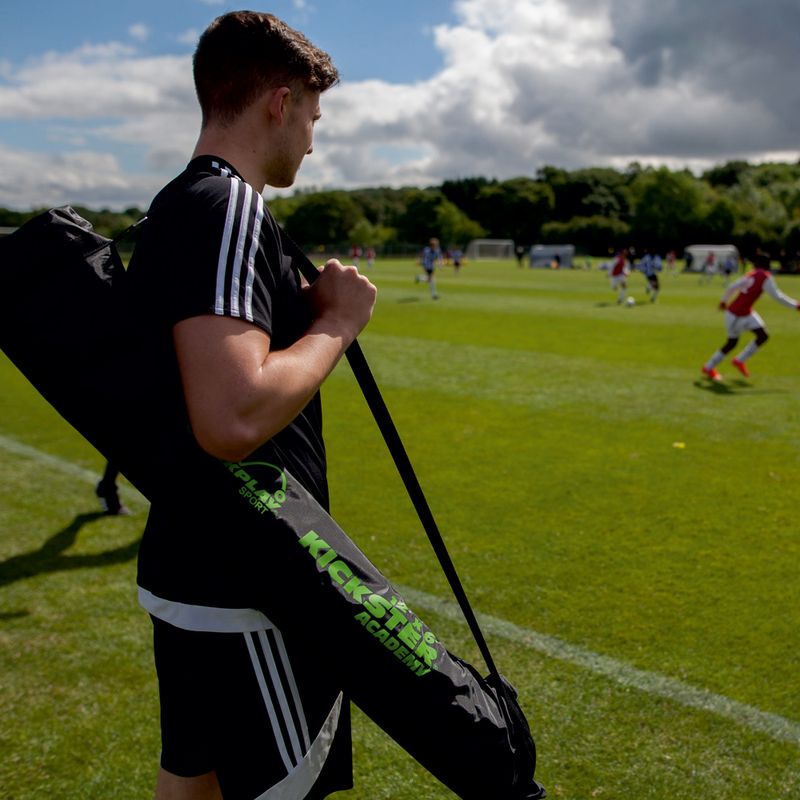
<point x="630" y="302"/>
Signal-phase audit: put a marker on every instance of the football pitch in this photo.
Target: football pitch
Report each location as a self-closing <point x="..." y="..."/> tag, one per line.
<point x="626" y="530"/>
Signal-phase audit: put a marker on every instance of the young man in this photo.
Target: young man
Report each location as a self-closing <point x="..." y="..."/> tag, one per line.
<point x="740" y="316"/>
<point x="236" y="347"/>
<point x="650" y="266"/>
<point x="618" y="275"/>
<point x="234" y="335"/>
<point x="430" y="258"/>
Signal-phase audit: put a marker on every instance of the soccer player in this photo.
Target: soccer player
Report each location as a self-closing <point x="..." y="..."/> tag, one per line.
<point x="430" y="258"/>
<point x="650" y="266"/>
<point x="619" y="276"/>
<point x="740" y="316"/>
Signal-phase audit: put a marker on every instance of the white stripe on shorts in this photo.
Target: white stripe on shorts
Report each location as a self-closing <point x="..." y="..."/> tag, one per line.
<point x="203" y="618"/>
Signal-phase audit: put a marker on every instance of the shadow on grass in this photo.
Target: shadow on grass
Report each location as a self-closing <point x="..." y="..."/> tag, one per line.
<point x="50" y="557"/>
<point x="735" y="388"/>
<point x="409" y="300"/>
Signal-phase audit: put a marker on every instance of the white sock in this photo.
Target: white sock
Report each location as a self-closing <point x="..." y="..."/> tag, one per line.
<point x="747" y="352"/>
<point x="715" y="359"/>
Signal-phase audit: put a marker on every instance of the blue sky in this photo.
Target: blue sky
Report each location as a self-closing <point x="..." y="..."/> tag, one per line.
<point x="355" y="31"/>
<point x="97" y="106"/>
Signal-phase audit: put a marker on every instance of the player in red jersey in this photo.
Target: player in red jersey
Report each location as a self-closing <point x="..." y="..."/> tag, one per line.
<point x="740" y="316"/>
<point x="618" y="274"/>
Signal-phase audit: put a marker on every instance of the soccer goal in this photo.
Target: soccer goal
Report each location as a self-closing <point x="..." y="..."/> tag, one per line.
<point x="490" y="249"/>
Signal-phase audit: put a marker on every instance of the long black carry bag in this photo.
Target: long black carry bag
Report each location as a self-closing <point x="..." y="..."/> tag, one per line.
<point x="68" y="330"/>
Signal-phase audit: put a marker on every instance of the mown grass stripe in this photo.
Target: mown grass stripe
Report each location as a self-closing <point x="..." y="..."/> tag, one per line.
<point x="62" y="465"/>
<point x="653" y="683"/>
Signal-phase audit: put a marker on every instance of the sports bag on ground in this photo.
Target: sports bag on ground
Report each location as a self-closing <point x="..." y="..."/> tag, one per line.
<point x="66" y="327"/>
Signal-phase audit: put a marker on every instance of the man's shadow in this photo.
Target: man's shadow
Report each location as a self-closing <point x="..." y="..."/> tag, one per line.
<point x="50" y="557"/>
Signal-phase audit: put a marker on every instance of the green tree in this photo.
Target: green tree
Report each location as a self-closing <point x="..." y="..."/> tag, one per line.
<point x="597" y="235"/>
<point x="760" y="219"/>
<point x="323" y="218"/>
<point x="465" y="193"/>
<point x="666" y="208"/>
<point x="455" y="227"/>
<point x="367" y="234"/>
<point x="515" y="209"/>
<point x="418" y="220"/>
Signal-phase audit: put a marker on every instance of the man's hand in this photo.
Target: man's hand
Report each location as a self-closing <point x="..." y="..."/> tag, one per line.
<point x="342" y="297"/>
<point x="722" y="305"/>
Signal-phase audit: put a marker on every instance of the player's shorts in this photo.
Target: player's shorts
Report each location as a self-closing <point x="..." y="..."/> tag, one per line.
<point x="618" y="280"/>
<point x="234" y="702"/>
<point x="736" y="326"/>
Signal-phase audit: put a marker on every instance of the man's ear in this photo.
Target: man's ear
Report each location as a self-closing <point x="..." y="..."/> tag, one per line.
<point x="277" y="103"/>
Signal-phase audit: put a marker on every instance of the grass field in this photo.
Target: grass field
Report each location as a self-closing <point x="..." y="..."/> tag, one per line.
<point x="627" y="530"/>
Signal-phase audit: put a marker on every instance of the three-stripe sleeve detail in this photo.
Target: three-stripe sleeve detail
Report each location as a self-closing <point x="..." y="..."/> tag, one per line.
<point x="238" y="250"/>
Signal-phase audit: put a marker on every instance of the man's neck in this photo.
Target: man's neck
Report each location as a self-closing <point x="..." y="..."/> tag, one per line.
<point x="227" y="147"/>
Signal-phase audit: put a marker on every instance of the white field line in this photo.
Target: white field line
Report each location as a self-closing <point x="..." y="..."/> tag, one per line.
<point x="61" y="465"/>
<point x="653" y="683"/>
<point x="773" y="725"/>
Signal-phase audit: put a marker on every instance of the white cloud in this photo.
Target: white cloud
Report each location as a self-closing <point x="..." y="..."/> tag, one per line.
<point x="189" y="37"/>
<point x="139" y="32"/>
<point x="525" y="83"/>
<point x="29" y="179"/>
<point x="560" y="82"/>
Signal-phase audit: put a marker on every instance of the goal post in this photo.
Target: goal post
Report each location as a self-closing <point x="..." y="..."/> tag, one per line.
<point x="490" y="249"/>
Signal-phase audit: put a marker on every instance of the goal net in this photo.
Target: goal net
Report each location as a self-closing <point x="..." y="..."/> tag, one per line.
<point x="490" y="249"/>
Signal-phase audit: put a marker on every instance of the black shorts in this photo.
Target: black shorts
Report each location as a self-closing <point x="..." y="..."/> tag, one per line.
<point x="232" y="703"/>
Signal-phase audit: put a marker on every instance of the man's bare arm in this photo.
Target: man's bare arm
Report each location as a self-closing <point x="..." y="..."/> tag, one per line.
<point x="239" y="394"/>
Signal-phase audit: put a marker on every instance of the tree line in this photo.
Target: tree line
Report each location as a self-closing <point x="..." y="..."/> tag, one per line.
<point x="598" y="209"/>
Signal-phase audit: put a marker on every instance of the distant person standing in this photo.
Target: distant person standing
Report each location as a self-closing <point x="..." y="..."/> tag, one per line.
<point x="520" y="254"/>
<point x="618" y="275"/>
<point x="740" y="316"/>
<point x="458" y="257"/>
<point x="430" y="258"/>
<point x="108" y="493"/>
<point x="370" y="256"/>
<point x="709" y="268"/>
<point x="355" y="255"/>
<point x="729" y="266"/>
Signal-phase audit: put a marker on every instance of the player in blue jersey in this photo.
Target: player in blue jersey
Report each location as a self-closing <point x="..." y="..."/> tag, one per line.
<point x="430" y="258"/>
<point x="650" y="265"/>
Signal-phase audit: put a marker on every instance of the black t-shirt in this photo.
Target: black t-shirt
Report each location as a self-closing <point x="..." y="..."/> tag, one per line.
<point x="210" y="246"/>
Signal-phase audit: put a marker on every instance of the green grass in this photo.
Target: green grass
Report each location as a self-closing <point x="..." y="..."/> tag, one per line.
<point x="543" y="421"/>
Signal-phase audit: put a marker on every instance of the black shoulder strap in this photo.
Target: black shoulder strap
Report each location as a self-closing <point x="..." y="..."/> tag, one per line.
<point x="126" y="234"/>
<point x="372" y="394"/>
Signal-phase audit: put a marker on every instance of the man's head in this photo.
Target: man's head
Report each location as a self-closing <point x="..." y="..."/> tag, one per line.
<point x="243" y="54"/>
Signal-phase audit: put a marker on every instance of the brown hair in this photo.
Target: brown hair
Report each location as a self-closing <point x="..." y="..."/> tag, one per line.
<point x="242" y="54"/>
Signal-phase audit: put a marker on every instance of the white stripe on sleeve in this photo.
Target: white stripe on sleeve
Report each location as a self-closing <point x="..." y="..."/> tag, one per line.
<point x="222" y="262"/>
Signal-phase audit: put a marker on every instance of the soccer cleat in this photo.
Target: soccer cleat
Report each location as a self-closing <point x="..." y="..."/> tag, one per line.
<point x="712" y="373"/>
<point x="108" y="496"/>
<point x="741" y="367"/>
